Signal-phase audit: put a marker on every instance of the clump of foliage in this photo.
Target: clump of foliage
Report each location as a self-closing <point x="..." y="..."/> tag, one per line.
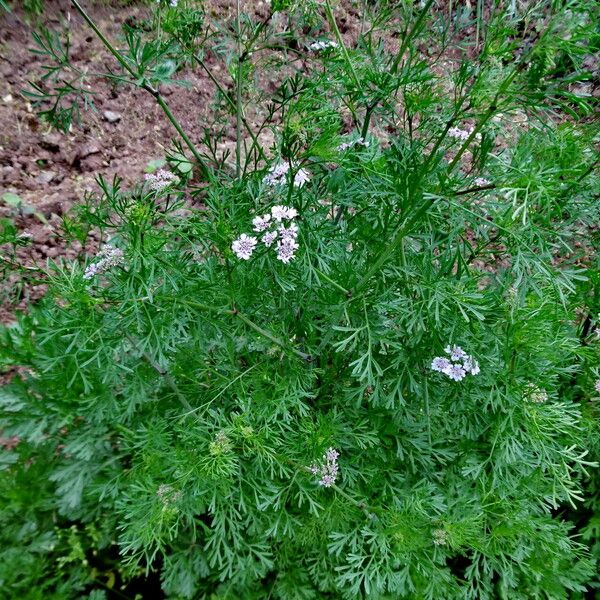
<point x="395" y="396"/>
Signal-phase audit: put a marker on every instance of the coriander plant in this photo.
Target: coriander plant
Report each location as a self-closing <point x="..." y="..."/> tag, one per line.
<point x="352" y="354"/>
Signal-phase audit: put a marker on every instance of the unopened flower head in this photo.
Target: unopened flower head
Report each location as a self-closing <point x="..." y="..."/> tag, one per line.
<point x="220" y="445"/>
<point x="167" y="494"/>
<point x="440" y="537"/>
<point x="108" y="258"/>
<point x="458" y="366"/>
<point x="328" y="469"/>
<point x="160" y="180"/>
<point x="244" y="246"/>
<point x="319" y="45"/>
<point x="535" y="394"/>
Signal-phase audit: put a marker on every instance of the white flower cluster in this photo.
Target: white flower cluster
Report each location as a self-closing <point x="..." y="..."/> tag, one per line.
<point x="277" y="175"/>
<point x="109" y="257"/>
<point x="462" y="134"/>
<point x="272" y="226"/>
<point x="458" y="366"/>
<point x="481" y="181"/>
<point x="328" y="469"/>
<point x="597" y="386"/>
<point x="160" y="180"/>
<point x="320" y="45"/>
<point x="359" y="142"/>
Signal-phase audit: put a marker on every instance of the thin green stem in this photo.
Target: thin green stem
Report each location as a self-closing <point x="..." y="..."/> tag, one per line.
<point x="160" y="100"/>
<point x="238" y="95"/>
<point x="409" y="36"/>
<point x="232" y="104"/>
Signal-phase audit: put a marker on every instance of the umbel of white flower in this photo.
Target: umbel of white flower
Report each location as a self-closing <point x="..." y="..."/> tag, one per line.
<point x="160" y="180"/>
<point x="109" y="257"/>
<point x="319" y="45"/>
<point x="458" y="366"/>
<point x="273" y="227"/>
<point x="277" y="175"/>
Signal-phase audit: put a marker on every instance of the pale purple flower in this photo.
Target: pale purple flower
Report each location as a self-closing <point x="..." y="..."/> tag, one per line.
<point x="328" y="469"/>
<point x="288" y="233"/>
<point x="286" y="250"/>
<point x="440" y="364"/>
<point x="457" y="133"/>
<point x="109" y="257"/>
<point x="455" y="372"/>
<point x="261" y="223"/>
<point x="455" y="352"/>
<point x="471" y="366"/>
<point x="457" y="366"/>
<point x="301" y="177"/>
<point x="269" y="238"/>
<point x="597" y="386"/>
<point x="160" y="180"/>
<point x="244" y="246"/>
<point x="482" y="181"/>
<point x="277" y="175"/>
<point x="462" y="134"/>
<point x="279" y="213"/>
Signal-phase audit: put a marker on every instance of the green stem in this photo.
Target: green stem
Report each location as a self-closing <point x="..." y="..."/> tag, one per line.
<point x="180" y="131"/>
<point x="238" y="96"/>
<point x="225" y="95"/>
<point x="408" y="37"/>
<point x="145" y="86"/>
<point x="333" y="283"/>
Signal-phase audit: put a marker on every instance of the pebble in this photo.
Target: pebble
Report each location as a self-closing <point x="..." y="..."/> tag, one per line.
<point x="111" y="116"/>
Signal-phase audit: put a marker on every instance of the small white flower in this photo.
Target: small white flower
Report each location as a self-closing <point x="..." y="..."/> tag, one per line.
<point x="320" y="45"/>
<point x="455" y="352"/>
<point x="301" y="177"/>
<point x="269" y="238"/>
<point x="288" y="233"/>
<point x="482" y="181"/>
<point x="244" y="246"/>
<point x="440" y="364"/>
<point x="455" y="372"/>
<point x="261" y="223"/>
<point x="277" y="176"/>
<point x="109" y="257"/>
<point x="160" y="180"/>
<point x="279" y="212"/>
<point x="471" y="366"/>
<point x="358" y="142"/>
<point x="286" y="250"/>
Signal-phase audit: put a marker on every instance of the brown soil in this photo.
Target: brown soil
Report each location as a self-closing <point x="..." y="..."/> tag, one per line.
<point x="123" y="132"/>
